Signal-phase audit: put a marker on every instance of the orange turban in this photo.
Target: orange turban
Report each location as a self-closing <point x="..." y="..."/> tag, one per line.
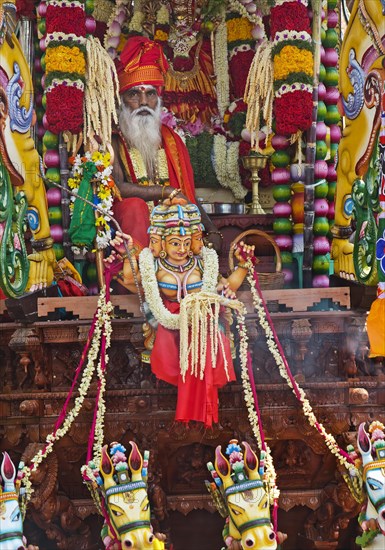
<point x="142" y="61"/>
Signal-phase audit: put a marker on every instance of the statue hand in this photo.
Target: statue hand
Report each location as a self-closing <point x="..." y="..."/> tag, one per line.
<point x="243" y="251"/>
<point x="41" y="269"/>
<point x="119" y="241"/>
<point x="225" y="290"/>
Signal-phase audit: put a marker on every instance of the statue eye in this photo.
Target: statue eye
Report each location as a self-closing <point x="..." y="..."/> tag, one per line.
<point x="16" y="517"/>
<point x="146" y="507"/>
<point x="116" y="513"/>
<point x="264" y="505"/>
<point x="373" y="486"/>
<point x="236" y="513"/>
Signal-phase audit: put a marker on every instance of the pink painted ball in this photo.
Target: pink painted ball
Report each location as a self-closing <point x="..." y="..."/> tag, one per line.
<point x="332" y="19"/>
<point x="330" y="58"/>
<point x="54" y="196"/>
<point x="320" y="169"/>
<point x="51" y="158"/>
<point x="280" y="142"/>
<point x="321" y="245"/>
<point x="321" y="91"/>
<point x="288" y="275"/>
<point x="332" y="174"/>
<point x="282" y="209"/>
<point x="42" y="9"/>
<point x="335" y="133"/>
<point x="331" y="212"/>
<point x="284" y="242"/>
<point x="90" y="24"/>
<point x="321" y="207"/>
<point x="280" y="176"/>
<point x="321" y="130"/>
<point x="321" y="281"/>
<point x="332" y="95"/>
<point x="57" y="233"/>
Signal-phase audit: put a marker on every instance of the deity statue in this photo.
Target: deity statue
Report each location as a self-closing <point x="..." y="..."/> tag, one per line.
<point x="22" y="192"/>
<point x="190" y="301"/>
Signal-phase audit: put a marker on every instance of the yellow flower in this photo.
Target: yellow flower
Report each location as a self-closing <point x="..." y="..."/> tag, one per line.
<point x="161" y="36"/>
<point x="65" y="59"/>
<point x="96" y="156"/>
<point x="292" y="60"/>
<point x="239" y="29"/>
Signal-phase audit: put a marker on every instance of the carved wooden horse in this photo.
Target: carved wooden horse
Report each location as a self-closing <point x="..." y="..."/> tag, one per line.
<point x="246" y="499"/>
<point x="374" y="482"/>
<point x="11" y="523"/>
<point x="126" y="499"/>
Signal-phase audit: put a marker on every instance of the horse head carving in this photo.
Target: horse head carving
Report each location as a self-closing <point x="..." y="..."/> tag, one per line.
<point x="11" y="522"/>
<point x="369" y="488"/>
<point x="124" y="503"/>
<point x="241" y="489"/>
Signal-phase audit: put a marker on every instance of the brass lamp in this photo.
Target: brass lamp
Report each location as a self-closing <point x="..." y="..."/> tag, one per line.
<point x="254" y="162"/>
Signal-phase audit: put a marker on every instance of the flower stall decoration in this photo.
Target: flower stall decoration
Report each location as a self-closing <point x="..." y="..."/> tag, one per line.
<point x="65" y="65"/>
<point x="293" y="66"/>
<point x="91" y="178"/>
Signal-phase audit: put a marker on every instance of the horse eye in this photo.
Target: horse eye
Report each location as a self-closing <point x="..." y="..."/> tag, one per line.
<point x="236" y="513"/>
<point x="373" y="487"/>
<point x="17" y="517"/>
<point x="116" y="513"/>
<point x="146" y="507"/>
<point x="264" y="504"/>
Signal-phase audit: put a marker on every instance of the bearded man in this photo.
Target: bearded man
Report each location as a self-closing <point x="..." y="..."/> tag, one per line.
<point x="151" y="162"/>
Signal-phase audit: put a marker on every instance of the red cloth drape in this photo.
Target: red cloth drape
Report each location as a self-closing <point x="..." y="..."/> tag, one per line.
<point x="197" y="399"/>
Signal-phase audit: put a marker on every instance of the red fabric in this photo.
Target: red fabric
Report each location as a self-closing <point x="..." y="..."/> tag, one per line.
<point x="197" y="399"/>
<point x="178" y="160"/>
<point x="133" y="217"/>
<point x="142" y="61"/>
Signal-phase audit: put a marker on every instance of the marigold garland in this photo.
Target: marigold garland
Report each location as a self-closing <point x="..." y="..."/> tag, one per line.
<point x="292" y="59"/>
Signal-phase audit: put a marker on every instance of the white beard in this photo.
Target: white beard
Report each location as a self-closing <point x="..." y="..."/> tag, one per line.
<point x="143" y="133"/>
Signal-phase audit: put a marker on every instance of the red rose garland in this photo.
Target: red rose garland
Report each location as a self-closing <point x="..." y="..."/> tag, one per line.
<point x="65" y="65"/>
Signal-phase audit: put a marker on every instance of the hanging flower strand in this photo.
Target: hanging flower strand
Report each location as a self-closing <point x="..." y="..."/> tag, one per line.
<point x="100" y="330"/>
<point x="278" y="354"/>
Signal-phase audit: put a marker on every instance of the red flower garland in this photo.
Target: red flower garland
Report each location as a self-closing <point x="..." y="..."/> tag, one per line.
<point x="66" y="19"/>
<point x="293" y="111"/>
<point x="65" y="109"/>
<point x="291" y="16"/>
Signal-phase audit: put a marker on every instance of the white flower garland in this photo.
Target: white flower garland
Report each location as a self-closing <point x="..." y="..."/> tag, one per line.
<point x="226" y="157"/>
<point x="103" y="323"/>
<point x="273" y="348"/>
<point x="235" y="5"/>
<point x="281" y="36"/>
<point x="286" y="88"/>
<point x="221" y="67"/>
<point x="169" y="320"/>
<point x="270" y="473"/>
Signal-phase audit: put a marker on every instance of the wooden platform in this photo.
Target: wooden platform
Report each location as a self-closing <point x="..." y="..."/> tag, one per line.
<point x="285" y="300"/>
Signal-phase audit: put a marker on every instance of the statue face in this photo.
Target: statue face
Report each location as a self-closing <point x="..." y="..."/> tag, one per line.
<point x="155" y="245"/>
<point x="177" y="248"/>
<point x="197" y="243"/>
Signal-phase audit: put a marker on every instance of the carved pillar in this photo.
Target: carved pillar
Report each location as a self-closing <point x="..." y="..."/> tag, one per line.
<point x="301" y="331"/>
<point x="26" y="343"/>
